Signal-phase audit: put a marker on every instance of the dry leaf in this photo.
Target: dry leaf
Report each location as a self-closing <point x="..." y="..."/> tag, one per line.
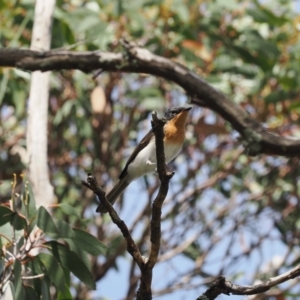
<point x="98" y="100"/>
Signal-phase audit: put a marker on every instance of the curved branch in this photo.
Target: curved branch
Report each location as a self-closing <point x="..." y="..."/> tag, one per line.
<point x="222" y="286"/>
<point x="139" y="60"/>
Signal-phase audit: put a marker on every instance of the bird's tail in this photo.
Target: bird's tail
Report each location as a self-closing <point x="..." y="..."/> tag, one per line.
<point x="113" y="195"/>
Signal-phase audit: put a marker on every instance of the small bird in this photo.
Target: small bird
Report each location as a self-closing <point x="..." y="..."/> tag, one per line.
<point x="143" y="158"/>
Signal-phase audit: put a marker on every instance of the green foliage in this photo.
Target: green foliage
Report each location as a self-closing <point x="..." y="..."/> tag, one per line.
<point x="45" y="222"/>
<point x="72" y="262"/>
<point x="247" y="49"/>
<point x="53" y="262"/>
<point x="88" y="242"/>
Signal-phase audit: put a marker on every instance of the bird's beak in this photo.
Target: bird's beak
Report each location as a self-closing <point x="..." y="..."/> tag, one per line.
<point x="188" y="108"/>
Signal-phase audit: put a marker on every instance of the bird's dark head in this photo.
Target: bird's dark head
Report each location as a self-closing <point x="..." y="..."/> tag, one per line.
<point x="176" y="111"/>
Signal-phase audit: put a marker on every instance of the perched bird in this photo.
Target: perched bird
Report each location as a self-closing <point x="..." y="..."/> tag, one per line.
<point x="143" y="158"/>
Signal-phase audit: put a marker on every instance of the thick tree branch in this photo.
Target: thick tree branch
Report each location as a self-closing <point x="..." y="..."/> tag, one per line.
<point x="222" y="286"/>
<point x="37" y="121"/>
<point x="132" y="249"/>
<point x="139" y="60"/>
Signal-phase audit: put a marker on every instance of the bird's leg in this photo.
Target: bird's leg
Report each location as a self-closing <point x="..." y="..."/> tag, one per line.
<point x="150" y="163"/>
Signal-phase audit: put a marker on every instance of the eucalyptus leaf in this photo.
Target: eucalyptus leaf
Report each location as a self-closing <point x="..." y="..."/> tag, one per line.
<point x="53" y="270"/>
<point x="64" y="229"/>
<point x="19" y="290"/>
<point x="72" y="262"/>
<point x="69" y="210"/>
<point x="45" y="290"/>
<point x="18" y="222"/>
<point x="6" y="215"/>
<point x="31" y="203"/>
<point x="45" y="222"/>
<point x="88" y="242"/>
<point x="76" y="247"/>
<point x="30" y="293"/>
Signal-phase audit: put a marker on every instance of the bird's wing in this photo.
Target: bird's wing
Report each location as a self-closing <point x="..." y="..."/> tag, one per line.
<point x="143" y="143"/>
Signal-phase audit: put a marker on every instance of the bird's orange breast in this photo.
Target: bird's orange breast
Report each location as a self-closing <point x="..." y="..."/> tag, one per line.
<point x="173" y="134"/>
<point x="174" y="129"/>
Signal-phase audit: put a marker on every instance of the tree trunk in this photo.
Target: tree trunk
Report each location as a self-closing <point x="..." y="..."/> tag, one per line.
<point x="38" y="108"/>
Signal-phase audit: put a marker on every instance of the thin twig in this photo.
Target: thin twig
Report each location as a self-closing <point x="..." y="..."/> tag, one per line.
<point x="222" y="286"/>
<point x="131" y="246"/>
<point x="33" y="277"/>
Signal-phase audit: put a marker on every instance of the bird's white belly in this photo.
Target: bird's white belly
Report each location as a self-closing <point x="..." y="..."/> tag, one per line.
<point x="145" y="161"/>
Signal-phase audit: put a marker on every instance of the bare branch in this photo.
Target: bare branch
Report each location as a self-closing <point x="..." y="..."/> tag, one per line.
<point x="144" y="291"/>
<point x="164" y="176"/>
<point x="33" y="277"/>
<point x="222" y="286"/>
<point x="179" y="249"/>
<point x="131" y="246"/>
<point x="139" y="60"/>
